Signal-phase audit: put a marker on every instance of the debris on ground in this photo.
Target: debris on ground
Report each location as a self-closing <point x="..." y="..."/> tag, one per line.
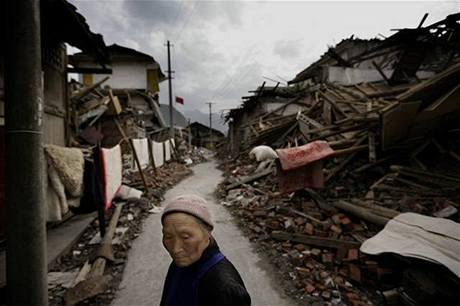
<point x="128" y="228"/>
<point x="349" y="158"/>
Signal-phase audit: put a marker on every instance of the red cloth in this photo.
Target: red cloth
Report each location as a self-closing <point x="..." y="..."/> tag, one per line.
<point x="305" y="176"/>
<point x="179" y="100"/>
<point x="300" y="156"/>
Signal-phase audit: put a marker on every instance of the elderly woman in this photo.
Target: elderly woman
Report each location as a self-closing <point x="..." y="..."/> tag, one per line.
<point x="199" y="275"/>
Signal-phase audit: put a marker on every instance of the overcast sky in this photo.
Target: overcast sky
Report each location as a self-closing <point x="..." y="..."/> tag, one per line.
<point x="222" y="49"/>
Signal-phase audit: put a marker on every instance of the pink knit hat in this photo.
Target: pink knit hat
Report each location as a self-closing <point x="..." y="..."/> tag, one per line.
<point x="189" y="204"/>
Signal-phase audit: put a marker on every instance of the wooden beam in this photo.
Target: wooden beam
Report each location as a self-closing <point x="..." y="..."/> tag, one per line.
<point x="133" y="150"/>
<point x="316" y="241"/>
<point x="249" y="179"/>
<point x="89" y="70"/>
<point x="380" y="71"/>
<point x="362" y="213"/>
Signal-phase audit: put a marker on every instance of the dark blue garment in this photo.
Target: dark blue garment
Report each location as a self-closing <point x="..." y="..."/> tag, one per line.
<point x="183" y="289"/>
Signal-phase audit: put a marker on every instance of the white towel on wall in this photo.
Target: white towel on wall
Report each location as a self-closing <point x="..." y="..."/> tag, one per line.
<point x="167" y="150"/>
<point x="142" y="149"/>
<point x="157" y="151"/>
<point x="112" y="173"/>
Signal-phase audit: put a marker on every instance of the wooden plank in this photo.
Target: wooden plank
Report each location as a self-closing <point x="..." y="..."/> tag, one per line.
<point x="316" y="241"/>
<point x="395" y="122"/>
<point x="250" y="178"/>
<point x="81" y="93"/>
<point x="397" y="168"/>
<point x="372" y="149"/>
<point x="454" y="155"/>
<point x="335" y="105"/>
<point x="133" y="150"/>
<point x="360" y="212"/>
<point x="376" y="163"/>
<point x="355" y="149"/>
<point x="377" y="209"/>
<point x="380" y="71"/>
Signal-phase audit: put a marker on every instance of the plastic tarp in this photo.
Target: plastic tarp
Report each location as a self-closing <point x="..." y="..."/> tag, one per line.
<point x="111" y="173"/>
<point x="262" y="153"/>
<point x="142" y="150"/>
<point x="414" y="235"/>
<point x="157" y="151"/>
<point x="300" y="156"/>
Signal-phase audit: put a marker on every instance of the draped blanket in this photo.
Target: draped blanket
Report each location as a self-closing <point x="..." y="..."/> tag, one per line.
<point x="65" y="167"/>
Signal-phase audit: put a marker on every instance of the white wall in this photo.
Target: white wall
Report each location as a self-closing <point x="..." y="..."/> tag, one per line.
<point x="350" y="76"/>
<point x="124" y="75"/>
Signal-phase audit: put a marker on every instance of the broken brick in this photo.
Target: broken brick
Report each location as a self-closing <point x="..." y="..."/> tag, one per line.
<point x="353" y="254"/>
<point x="309" y="288"/>
<point x="273" y="224"/>
<point x="337" y="218"/>
<point x="309" y="229"/>
<point x="336" y="229"/>
<point x="327" y="258"/>
<point x="315" y="252"/>
<point x="346" y="223"/>
<point x="355" y="273"/>
<point x="299" y="247"/>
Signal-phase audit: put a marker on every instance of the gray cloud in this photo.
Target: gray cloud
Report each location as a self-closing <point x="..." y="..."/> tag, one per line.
<point x="287" y="48"/>
<point x="223" y="48"/>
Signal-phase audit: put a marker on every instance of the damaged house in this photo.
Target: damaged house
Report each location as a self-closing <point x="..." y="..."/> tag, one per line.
<point x="358" y="187"/>
<point x="61" y="24"/>
<point x="203" y="136"/>
<point x="358" y="72"/>
<point x="134" y="79"/>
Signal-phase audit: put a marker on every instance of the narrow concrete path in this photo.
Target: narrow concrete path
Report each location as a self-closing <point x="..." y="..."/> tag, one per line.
<point x="148" y="262"/>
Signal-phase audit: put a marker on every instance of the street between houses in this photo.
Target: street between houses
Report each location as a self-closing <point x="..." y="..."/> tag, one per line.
<point x="148" y="261"/>
<point x="333" y="175"/>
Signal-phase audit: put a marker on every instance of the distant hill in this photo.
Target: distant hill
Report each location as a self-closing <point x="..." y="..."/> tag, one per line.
<point x="179" y="119"/>
<point x="198" y="116"/>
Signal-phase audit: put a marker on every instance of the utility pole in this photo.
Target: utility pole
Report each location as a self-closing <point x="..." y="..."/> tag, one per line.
<point x="210" y="124"/>
<point x="189" y="135"/>
<point x="171" y="116"/>
<point x="26" y="267"/>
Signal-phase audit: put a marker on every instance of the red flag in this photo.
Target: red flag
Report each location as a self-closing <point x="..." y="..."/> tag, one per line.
<point x="179" y="100"/>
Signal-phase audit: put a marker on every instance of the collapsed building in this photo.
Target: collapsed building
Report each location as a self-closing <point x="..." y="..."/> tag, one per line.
<point x="97" y="136"/>
<point x="366" y="137"/>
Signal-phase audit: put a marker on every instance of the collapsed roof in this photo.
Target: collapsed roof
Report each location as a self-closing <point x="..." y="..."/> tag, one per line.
<point x="433" y="48"/>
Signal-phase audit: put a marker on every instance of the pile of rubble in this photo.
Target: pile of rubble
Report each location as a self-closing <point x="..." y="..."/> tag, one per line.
<point x="321" y="231"/>
<point x="68" y="270"/>
<point x="392" y="150"/>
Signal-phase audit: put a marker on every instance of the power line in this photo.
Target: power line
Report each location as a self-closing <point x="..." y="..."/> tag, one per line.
<point x="227" y="86"/>
<point x="179" y="11"/>
<point x="224" y="85"/>
<point x="195" y="3"/>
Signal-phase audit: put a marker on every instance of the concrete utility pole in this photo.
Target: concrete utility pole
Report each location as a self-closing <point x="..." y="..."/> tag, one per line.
<point x="189" y="135"/>
<point x="26" y="267"/>
<point x="171" y="116"/>
<point x="210" y="125"/>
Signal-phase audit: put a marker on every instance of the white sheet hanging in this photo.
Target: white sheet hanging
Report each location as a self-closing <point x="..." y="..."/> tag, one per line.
<point x="112" y="173"/>
<point x="142" y="149"/>
<point x="157" y="150"/>
<point x="167" y="150"/>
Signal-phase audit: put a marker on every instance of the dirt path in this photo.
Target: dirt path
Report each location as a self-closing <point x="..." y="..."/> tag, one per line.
<point x="148" y="261"/>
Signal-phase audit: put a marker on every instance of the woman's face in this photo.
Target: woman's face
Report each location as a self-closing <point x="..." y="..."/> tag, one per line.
<point x="184" y="238"/>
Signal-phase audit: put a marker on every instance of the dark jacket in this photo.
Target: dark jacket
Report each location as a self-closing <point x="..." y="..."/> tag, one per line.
<point x="221" y="285"/>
